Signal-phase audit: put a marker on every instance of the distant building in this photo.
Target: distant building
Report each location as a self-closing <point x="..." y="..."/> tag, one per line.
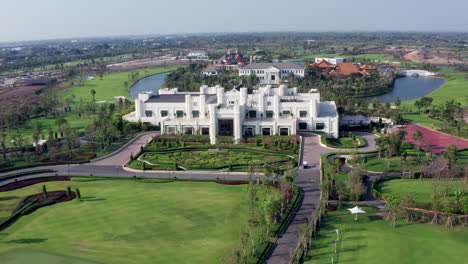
<point x="238" y="112"/>
<point x="323" y="64"/>
<point x="333" y="61"/>
<point x="345" y="68"/>
<point x="232" y="59"/>
<point x="272" y="73"/>
<point x="212" y="70"/>
<point x="198" y="55"/>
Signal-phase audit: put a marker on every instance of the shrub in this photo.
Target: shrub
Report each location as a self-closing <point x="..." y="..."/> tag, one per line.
<point x="78" y="194"/>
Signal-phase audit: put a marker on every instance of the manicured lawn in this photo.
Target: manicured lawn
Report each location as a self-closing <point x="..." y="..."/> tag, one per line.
<point x="462" y="159"/>
<point x="123" y="221"/>
<point x="422" y="189"/>
<point x="454" y="88"/>
<point x="110" y="86"/>
<point x="373" y="240"/>
<point x="345" y="142"/>
<point x="377" y="164"/>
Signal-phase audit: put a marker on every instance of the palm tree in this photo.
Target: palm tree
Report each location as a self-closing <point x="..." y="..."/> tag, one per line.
<point x="417" y="136"/>
<point x="93" y="93"/>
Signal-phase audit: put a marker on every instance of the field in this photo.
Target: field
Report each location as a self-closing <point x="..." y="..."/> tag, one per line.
<point x="422" y="190"/>
<point x="371" y="239"/>
<point x="110" y="86"/>
<point x="124" y="221"/>
<point x="454" y="88"/>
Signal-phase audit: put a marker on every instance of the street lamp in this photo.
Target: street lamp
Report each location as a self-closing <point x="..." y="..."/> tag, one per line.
<point x="168" y="172"/>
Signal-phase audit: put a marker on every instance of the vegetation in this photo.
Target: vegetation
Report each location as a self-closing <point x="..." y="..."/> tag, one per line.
<point x="370" y="238"/>
<point x="267" y="154"/>
<point x="184" y="220"/>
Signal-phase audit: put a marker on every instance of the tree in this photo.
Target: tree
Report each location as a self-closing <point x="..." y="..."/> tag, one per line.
<point x="393" y="203"/>
<point x="398" y="102"/>
<point x="93" y="94"/>
<point x="3" y="139"/>
<point x="417" y="136"/>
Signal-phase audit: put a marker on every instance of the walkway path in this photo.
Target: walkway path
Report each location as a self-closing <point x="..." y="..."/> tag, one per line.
<point x="309" y="181"/>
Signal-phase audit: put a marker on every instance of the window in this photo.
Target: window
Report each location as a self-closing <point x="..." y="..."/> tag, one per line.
<point x="171" y="130"/>
<point x="195" y="114"/>
<point x="248" y="131"/>
<point x="266" y="131"/>
<point x="269" y="114"/>
<point x="232" y="102"/>
<point x="148" y="113"/>
<point x="302" y="113"/>
<point x="253" y="114"/>
<point x="319" y="126"/>
<point x="195" y="104"/>
<point x="179" y="113"/>
<point x="286" y="113"/>
<point x="284" y="131"/>
<point x="303" y="126"/>
<point x="205" y="130"/>
<point x="268" y="103"/>
<point x="188" y="130"/>
<point x="163" y="113"/>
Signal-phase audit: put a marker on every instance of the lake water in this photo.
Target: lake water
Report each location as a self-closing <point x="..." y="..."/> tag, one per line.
<point x="150" y="83"/>
<point x="407" y="88"/>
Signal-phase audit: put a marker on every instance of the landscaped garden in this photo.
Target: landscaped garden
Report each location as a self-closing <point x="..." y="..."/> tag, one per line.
<point x="126" y="221"/>
<point x="195" y="153"/>
<point x="371" y="239"/>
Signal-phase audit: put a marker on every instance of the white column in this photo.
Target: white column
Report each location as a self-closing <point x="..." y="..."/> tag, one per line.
<point x="276" y="106"/>
<point x="237" y="123"/>
<point x="220" y="95"/>
<point x="213" y="124"/>
<point x="188" y="106"/>
<point x="202" y="106"/>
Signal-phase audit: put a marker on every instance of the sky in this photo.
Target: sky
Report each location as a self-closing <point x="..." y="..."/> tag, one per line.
<point x="50" y="19"/>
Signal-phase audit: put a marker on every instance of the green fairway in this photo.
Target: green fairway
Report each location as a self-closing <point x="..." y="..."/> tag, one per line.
<point x="125" y="221"/>
<point x="371" y="239"/>
<point x="377" y="164"/>
<point x="462" y="159"/>
<point x="422" y="190"/>
<point x="110" y="86"/>
<point x="454" y="88"/>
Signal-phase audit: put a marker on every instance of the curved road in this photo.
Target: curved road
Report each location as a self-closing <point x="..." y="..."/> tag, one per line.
<point x="307" y="179"/>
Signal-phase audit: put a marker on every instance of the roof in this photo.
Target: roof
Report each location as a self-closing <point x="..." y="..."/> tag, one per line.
<point x="279" y="65"/>
<point x="323" y="64"/>
<point x="166" y="98"/>
<point x="249" y="90"/>
<point x="212" y="69"/>
<point x="346" y="68"/>
<point x="173" y="98"/>
<point x="327" y="109"/>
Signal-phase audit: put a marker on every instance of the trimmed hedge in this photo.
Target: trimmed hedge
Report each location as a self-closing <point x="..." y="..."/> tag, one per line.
<point x="19" y="174"/>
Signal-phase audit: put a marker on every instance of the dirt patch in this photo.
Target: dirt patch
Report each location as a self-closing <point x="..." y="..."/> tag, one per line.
<point x="21" y="184"/>
<point x="56" y="196"/>
<point x="19" y="95"/>
<point x="433" y="56"/>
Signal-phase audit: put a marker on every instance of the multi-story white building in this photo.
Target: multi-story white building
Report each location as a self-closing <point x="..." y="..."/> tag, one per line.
<point x="239" y="112"/>
<point x="333" y="61"/>
<point x="198" y="55"/>
<point x="272" y="73"/>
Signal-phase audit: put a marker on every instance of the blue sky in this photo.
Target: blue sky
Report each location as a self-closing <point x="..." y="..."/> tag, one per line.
<point x="45" y="19"/>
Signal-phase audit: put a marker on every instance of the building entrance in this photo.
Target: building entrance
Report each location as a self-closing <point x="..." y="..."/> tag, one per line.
<point x="226" y="128"/>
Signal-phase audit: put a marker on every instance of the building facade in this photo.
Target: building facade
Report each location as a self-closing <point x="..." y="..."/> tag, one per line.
<point x="198" y="55"/>
<point x="272" y="73"/>
<point x="238" y="112"/>
<point x="333" y="61"/>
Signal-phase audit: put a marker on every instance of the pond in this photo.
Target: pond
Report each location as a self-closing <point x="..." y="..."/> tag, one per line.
<point x="150" y="83"/>
<point x="409" y="88"/>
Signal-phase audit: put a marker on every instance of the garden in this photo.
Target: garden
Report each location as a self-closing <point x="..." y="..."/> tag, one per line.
<point x="195" y="153"/>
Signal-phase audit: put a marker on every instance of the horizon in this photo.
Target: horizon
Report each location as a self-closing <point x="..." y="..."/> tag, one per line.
<point x="55" y="20"/>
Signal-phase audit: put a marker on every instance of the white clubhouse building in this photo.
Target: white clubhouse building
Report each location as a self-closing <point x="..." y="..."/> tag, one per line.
<point x="272" y="73"/>
<point x="238" y="112"/>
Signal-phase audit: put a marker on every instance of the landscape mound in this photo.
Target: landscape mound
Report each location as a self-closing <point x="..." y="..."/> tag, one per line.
<point x="25" y="183"/>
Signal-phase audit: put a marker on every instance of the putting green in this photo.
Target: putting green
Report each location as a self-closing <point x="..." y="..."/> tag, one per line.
<point x="373" y="240"/>
<point x="123" y="221"/>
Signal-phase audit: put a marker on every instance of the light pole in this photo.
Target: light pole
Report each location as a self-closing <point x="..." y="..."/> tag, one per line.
<point x="168" y="172"/>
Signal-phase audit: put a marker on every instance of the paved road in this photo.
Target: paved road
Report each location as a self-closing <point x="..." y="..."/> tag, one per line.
<point x="309" y="181"/>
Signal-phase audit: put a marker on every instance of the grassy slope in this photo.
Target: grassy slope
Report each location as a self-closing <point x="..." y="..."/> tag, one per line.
<point x="110" y="86"/>
<point x="455" y="87"/>
<point x="375" y="241"/>
<point x="421" y="189"/>
<point x="130" y="222"/>
<point x="462" y="159"/>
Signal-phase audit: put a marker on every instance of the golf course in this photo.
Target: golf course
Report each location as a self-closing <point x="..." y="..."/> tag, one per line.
<point x="371" y="239"/>
<point x="126" y="221"/>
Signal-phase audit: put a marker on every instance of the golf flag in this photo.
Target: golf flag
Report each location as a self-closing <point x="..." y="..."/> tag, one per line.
<point x="334" y="243"/>
<point x="337" y="234"/>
